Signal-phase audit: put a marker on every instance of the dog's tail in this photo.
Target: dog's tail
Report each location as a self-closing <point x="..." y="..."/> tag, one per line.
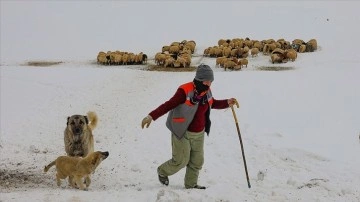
<point x="49" y="166"/>
<point x="93" y="118"/>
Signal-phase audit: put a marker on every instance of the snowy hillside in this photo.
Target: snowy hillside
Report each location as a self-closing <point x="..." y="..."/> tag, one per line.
<point x="300" y="127"/>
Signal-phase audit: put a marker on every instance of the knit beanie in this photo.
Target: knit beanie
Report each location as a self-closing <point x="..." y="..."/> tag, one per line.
<point x="204" y="73"/>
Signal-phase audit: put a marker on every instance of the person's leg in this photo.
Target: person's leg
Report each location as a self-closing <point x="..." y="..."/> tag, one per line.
<point x="196" y="159"/>
<point x="180" y="157"/>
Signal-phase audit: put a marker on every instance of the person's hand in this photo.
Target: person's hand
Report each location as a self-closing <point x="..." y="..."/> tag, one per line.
<point x="233" y="101"/>
<point x="146" y="121"/>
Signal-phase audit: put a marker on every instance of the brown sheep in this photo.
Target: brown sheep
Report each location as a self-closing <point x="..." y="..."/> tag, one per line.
<point x="180" y="61"/>
<point x="191" y="45"/>
<point x="187" y="58"/>
<point x="207" y="52"/>
<point x="117" y="58"/>
<point x="286" y="45"/>
<point x="298" y="41"/>
<point x="246" y="50"/>
<point x="302" y="48"/>
<point x="165" y="48"/>
<point x="234" y="59"/>
<point x="311" y="45"/>
<point x="254" y="52"/>
<point x="249" y="43"/>
<point x="276" y="58"/>
<point x="240" y="51"/>
<point x="212" y="51"/>
<point x="234" y="52"/>
<point x="226" y="44"/>
<point x="132" y="58"/>
<point x="177" y="64"/>
<point x="101" y="58"/>
<point x="238" y="43"/>
<point x="218" y="52"/>
<point x="243" y="62"/>
<point x="278" y="50"/>
<point x="185" y="50"/>
<point x="226" y="52"/>
<point x="290" y="54"/>
<point x="221" y="42"/>
<point x="244" y="55"/>
<point x="230" y="64"/>
<point x="169" y="62"/>
<point x="174" y="49"/>
<point x="266" y="49"/>
<point x="175" y="44"/>
<point x="258" y="45"/>
<point x="220" y="61"/>
<point x="160" y="58"/>
<point x="112" y="58"/>
<point x="269" y="41"/>
<point x="125" y="59"/>
<point x="237" y="67"/>
<point x="138" y="59"/>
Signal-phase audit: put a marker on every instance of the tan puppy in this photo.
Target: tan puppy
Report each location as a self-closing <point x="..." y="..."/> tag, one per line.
<point x="78" y="137"/>
<point x="77" y="168"/>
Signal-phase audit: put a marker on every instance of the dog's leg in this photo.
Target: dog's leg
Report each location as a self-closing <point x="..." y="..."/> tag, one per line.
<point x="71" y="182"/>
<point x="87" y="181"/>
<point x="58" y="181"/>
<point x="78" y="180"/>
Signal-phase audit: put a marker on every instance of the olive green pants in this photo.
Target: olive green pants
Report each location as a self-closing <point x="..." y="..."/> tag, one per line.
<point x="189" y="152"/>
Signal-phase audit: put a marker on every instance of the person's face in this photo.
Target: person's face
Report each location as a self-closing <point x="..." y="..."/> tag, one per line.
<point x="208" y="83"/>
<point x="202" y="90"/>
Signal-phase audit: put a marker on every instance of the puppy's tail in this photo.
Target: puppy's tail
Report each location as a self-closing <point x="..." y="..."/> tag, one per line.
<point x="49" y="166"/>
<point x="93" y="118"/>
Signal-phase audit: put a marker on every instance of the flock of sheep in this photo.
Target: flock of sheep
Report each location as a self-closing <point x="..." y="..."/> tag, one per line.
<point x="232" y="53"/>
<point x="121" y="58"/>
<point x="229" y="53"/>
<point x="177" y="54"/>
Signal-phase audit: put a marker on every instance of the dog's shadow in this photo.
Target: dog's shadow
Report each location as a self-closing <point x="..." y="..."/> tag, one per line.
<point x="20" y="179"/>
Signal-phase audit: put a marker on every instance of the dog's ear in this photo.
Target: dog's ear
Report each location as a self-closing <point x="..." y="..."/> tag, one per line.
<point x="86" y="119"/>
<point x="68" y="118"/>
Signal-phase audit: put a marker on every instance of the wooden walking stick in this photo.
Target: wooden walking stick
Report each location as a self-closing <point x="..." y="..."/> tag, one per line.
<point x="242" y="147"/>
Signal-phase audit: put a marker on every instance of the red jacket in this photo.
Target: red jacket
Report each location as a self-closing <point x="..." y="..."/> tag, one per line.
<point x="198" y="123"/>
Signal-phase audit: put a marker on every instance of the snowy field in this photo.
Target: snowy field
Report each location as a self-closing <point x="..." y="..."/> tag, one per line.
<point x="300" y="127"/>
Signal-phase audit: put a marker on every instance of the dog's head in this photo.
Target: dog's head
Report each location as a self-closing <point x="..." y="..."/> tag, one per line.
<point x="77" y="124"/>
<point x="97" y="157"/>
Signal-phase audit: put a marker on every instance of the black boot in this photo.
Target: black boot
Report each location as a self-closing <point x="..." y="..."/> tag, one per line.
<point x="196" y="187"/>
<point x="163" y="180"/>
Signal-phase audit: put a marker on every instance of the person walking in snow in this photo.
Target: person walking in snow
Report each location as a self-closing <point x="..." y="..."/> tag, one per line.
<point x="188" y="120"/>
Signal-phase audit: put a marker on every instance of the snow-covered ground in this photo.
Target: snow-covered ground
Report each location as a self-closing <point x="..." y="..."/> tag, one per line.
<point x="300" y="127"/>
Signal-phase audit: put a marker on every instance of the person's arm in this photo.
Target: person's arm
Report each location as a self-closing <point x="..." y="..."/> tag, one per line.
<point x="219" y="104"/>
<point x="222" y="104"/>
<point x="178" y="98"/>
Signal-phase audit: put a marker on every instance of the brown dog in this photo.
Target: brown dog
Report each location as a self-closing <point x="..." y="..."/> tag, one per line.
<point x="77" y="168"/>
<point x="78" y="137"/>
